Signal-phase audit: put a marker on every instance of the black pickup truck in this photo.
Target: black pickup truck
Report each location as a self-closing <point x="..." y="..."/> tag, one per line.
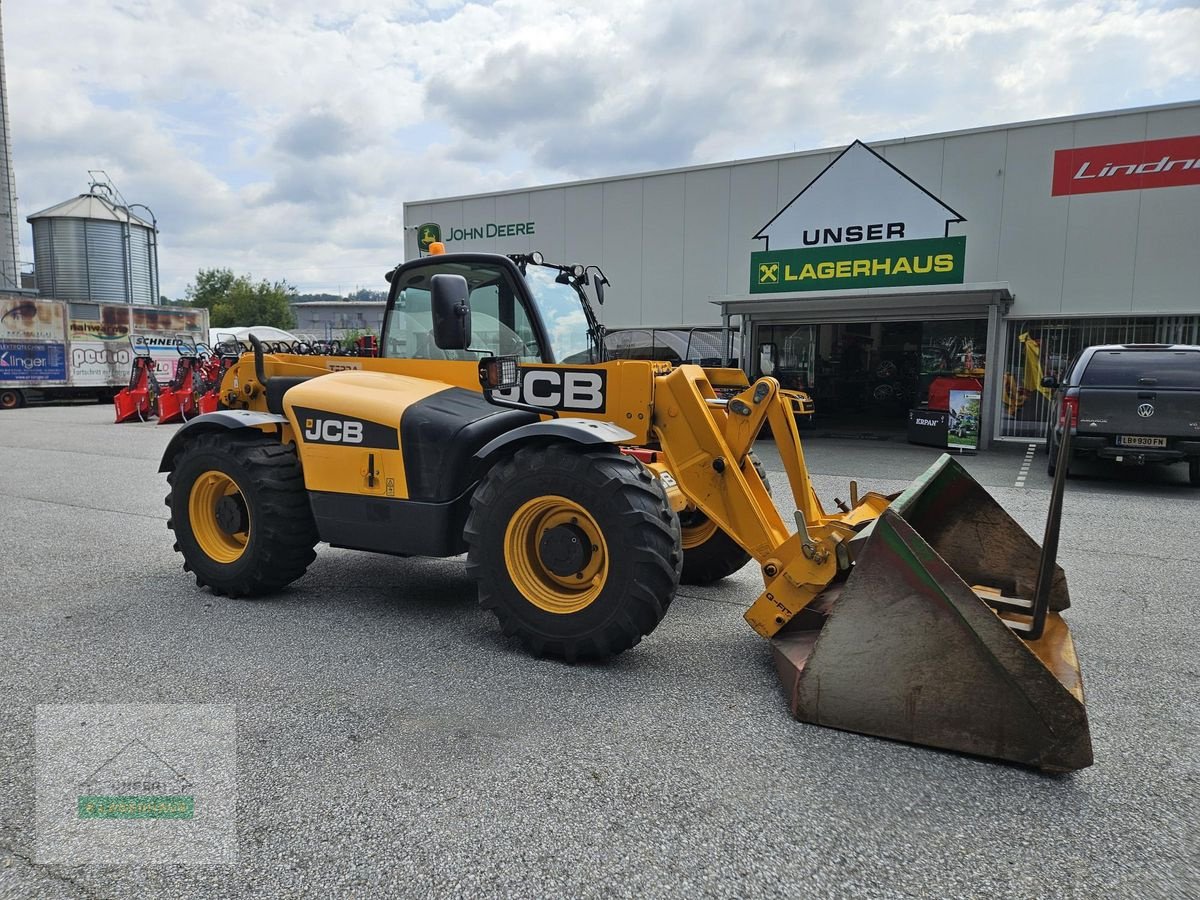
<point x="1130" y="403"/>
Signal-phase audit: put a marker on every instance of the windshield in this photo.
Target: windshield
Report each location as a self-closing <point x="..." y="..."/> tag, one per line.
<point x="561" y="309"/>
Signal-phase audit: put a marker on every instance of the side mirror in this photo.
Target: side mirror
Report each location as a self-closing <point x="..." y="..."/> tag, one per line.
<point x="599" y="281"/>
<point x="451" y="312"/>
<point x="1050" y="382"/>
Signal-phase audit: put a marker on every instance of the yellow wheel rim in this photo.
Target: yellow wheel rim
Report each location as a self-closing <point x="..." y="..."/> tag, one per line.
<point x="217" y="543"/>
<point x="693" y="535"/>
<point x="535" y="577"/>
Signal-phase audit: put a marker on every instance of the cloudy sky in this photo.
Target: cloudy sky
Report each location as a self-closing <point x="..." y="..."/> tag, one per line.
<point x="282" y="138"/>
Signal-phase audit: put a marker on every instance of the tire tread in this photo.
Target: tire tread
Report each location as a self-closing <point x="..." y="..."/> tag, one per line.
<point x="658" y="556"/>
<point x="285" y="535"/>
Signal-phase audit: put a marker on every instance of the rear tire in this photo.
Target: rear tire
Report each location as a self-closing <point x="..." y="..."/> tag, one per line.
<point x="549" y="510"/>
<point x="240" y="513"/>
<point x="1194" y="471"/>
<point x="11" y="398"/>
<point x="710" y="554"/>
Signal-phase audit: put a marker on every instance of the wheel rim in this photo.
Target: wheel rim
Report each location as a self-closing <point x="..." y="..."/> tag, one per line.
<point x="695" y="528"/>
<point x="214" y="505"/>
<point x="549" y="520"/>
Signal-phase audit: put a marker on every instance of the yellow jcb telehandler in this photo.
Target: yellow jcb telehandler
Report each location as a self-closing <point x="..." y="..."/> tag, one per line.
<point x="582" y="490"/>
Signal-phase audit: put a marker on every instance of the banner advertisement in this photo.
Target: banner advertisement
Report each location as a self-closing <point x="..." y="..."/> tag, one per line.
<point x="32" y="361"/>
<point x="964" y="420"/>
<point x="31" y="320"/>
<point x="1135" y="166"/>
<point x="168" y="321"/>
<point x="100" y="363"/>
<point x="111" y="323"/>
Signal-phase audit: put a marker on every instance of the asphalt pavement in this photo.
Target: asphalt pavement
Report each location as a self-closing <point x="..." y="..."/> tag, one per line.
<point x="390" y="741"/>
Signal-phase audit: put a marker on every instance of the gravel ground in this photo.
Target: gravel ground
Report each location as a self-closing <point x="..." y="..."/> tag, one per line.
<point x="391" y="742"/>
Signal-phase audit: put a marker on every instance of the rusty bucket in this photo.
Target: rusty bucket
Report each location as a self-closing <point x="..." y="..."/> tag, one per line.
<point x="948" y="633"/>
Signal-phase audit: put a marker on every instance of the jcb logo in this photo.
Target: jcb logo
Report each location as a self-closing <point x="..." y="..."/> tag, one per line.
<point x="333" y="431"/>
<point x="580" y="390"/>
<point x="319" y="426"/>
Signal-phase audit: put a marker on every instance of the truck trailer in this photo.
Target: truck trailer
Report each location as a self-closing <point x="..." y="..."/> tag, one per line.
<point x="59" y="349"/>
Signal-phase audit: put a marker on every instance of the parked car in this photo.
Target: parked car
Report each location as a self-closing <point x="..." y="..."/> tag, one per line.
<point x="1133" y="404"/>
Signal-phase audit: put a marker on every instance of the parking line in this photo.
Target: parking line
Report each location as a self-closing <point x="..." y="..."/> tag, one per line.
<point x="1025" y="464"/>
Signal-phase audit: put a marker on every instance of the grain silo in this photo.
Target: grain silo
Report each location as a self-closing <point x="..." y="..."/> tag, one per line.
<point x="93" y="247"/>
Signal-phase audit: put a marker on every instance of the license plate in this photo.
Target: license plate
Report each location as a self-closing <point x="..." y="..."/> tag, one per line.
<point x="1139" y="441"/>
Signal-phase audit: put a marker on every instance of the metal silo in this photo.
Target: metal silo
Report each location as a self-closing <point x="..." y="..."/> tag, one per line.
<point x="93" y="247"/>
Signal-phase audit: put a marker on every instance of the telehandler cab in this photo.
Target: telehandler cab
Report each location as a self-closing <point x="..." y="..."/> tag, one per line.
<point x="582" y="490"/>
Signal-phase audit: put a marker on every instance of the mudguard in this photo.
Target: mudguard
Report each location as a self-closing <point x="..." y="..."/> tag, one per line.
<point x="227" y="419"/>
<point x="581" y="431"/>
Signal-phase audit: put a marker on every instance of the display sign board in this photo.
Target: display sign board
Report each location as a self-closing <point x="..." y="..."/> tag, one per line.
<point x="1134" y="166"/>
<point x="430" y="232"/>
<point x="964" y="420"/>
<point x="861" y="223"/>
<point x="892" y="264"/>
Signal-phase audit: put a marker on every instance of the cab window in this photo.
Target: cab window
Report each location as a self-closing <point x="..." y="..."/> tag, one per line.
<point x="499" y="323"/>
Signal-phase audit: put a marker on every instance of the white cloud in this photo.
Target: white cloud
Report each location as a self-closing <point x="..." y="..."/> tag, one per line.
<point x="283" y="138"/>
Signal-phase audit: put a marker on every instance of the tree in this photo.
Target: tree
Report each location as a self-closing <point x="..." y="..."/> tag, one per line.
<point x="236" y="300"/>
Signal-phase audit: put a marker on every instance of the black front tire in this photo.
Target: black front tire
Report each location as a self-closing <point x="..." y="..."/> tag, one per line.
<point x="628" y="508"/>
<point x="719" y="556"/>
<point x="11" y="398"/>
<point x="280" y="532"/>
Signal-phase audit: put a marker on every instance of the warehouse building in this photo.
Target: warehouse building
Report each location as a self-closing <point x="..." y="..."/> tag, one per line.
<point x="861" y="273"/>
<point x="338" y="319"/>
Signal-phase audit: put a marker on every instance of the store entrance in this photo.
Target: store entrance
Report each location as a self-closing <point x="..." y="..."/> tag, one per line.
<point x="864" y="377"/>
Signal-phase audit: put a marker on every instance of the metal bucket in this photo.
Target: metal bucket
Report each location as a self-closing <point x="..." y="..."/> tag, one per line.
<point x="930" y="639"/>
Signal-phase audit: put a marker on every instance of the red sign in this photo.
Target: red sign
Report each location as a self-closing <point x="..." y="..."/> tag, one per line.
<point x="1127" y="167"/>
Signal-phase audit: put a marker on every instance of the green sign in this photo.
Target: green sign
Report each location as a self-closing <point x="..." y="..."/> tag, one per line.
<point x="429" y="233"/>
<point x="172" y="807"/>
<point x="848" y="266"/>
